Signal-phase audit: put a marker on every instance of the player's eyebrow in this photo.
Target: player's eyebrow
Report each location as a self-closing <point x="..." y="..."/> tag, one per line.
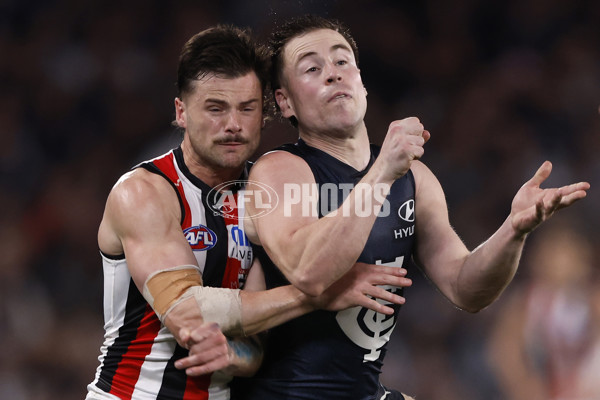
<point x="332" y="49"/>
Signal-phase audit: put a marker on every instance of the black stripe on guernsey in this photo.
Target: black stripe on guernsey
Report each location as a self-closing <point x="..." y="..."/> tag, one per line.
<point x="154" y="169"/>
<point x="134" y="312"/>
<point x="218" y="254"/>
<point x="174" y="380"/>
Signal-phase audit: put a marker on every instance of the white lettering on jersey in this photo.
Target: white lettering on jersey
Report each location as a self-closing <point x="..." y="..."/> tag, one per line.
<point x="240" y="248"/>
<point x="366" y="328"/>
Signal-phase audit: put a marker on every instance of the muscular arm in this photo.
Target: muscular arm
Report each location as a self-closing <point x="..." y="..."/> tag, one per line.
<point x="210" y="351"/>
<point x="142" y="220"/>
<point x="314" y="252"/>
<point x="474" y="279"/>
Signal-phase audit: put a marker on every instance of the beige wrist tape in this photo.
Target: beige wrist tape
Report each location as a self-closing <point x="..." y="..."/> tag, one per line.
<point x="166" y="289"/>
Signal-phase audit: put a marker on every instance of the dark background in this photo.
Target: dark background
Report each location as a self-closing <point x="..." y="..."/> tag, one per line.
<point x="87" y="89"/>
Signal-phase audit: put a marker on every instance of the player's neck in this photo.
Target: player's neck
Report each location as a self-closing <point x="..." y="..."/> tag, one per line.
<point x="213" y="178"/>
<point x="352" y="149"/>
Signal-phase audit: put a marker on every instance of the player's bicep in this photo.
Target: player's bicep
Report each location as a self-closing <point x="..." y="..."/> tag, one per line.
<point x="439" y="250"/>
<point x="291" y="179"/>
<point x="144" y="212"/>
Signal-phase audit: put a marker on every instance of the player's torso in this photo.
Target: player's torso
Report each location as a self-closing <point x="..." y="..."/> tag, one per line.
<point x="215" y="233"/>
<point x="138" y="354"/>
<point x="341" y="353"/>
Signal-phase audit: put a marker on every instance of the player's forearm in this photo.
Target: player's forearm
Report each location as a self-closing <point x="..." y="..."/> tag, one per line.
<point x="266" y="309"/>
<point x="489" y="268"/>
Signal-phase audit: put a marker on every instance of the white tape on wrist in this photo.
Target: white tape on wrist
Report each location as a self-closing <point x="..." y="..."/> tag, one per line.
<point x="220" y="305"/>
<point x="166" y="289"/>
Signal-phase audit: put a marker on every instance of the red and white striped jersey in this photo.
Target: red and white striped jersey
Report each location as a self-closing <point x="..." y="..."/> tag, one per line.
<point x="138" y="354"/>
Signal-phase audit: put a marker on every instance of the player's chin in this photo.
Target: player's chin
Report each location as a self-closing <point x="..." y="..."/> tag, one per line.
<point x="233" y="159"/>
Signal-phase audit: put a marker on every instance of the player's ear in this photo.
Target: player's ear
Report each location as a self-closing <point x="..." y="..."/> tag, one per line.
<point x="180" y="113"/>
<point x="285" y="103"/>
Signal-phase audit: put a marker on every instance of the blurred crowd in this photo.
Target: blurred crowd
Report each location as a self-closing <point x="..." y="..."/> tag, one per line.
<point x="86" y="92"/>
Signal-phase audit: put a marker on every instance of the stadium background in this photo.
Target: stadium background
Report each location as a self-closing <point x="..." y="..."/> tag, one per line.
<point x="87" y="88"/>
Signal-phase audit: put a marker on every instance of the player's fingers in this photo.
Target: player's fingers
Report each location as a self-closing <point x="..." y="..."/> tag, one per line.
<point x="212" y="366"/>
<point x="184" y="336"/>
<point x="426" y="136"/>
<point x="417" y="152"/>
<point x="385" y="269"/>
<point x="376" y="270"/>
<point x="572" y="198"/>
<point x="206" y="337"/>
<point x="382" y="294"/>
<point x="574" y="188"/>
<point x="375" y="306"/>
<point x="203" y="358"/>
<point x="550" y="200"/>
<point x="541" y="174"/>
<point x="410" y="125"/>
<point x="205" y="332"/>
<point x="392" y="276"/>
<point x="385" y="279"/>
<point x="188" y="361"/>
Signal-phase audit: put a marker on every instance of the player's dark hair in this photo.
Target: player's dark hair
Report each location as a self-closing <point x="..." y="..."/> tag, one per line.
<point x="223" y="50"/>
<point x="293" y="28"/>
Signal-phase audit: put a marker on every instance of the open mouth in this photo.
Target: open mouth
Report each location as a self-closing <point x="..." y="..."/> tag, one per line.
<point x="339" y="96"/>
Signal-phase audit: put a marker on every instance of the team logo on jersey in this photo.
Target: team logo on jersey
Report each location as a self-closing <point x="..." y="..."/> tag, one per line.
<point x="229" y="197"/>
<point x="200" y="237"/>
<point x="407" y="211"/>
<point x="369" y="329"/>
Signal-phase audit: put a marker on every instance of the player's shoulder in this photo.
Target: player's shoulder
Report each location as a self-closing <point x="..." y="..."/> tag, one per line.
<point x="279" y="155"/>
<point x="279" y="160"/>
<point x="421" y="171"/>
<point x="425" y="179"/>
<point x="279" y="167"/>
<point x="138" y="189"/>
<point x="139" y="181"/>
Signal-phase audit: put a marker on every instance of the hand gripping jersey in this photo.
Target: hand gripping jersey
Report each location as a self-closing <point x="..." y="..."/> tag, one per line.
<point x="336" y="355"/>
<point x="138" y="354"/>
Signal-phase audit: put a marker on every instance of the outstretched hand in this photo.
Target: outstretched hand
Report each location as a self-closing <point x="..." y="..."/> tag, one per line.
<point x="533" y="205"/>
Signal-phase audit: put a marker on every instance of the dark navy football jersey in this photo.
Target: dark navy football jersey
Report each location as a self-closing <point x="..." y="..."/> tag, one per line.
<point x="336" y="355"/>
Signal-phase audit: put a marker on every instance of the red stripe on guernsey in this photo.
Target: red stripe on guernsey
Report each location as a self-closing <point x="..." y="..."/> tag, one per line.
<point x="196" y="388"/>
<point x="128" y="370"/>
<point x="167" y="165"/>
<point x="233" y="267"/>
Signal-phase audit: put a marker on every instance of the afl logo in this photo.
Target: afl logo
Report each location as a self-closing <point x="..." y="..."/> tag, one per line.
<point x="225" y="202"/>
<point x="407" y="211"/>
<point x="200" y="237"/>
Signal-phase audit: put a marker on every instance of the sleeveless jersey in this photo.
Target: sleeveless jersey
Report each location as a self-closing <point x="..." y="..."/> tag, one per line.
<point x="336" y="355"/>
<point x="138" y="354"/>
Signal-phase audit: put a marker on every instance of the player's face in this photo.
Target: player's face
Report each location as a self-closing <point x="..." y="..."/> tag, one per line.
<point x="321" y="84"/>
<point x="222" y="118"/>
